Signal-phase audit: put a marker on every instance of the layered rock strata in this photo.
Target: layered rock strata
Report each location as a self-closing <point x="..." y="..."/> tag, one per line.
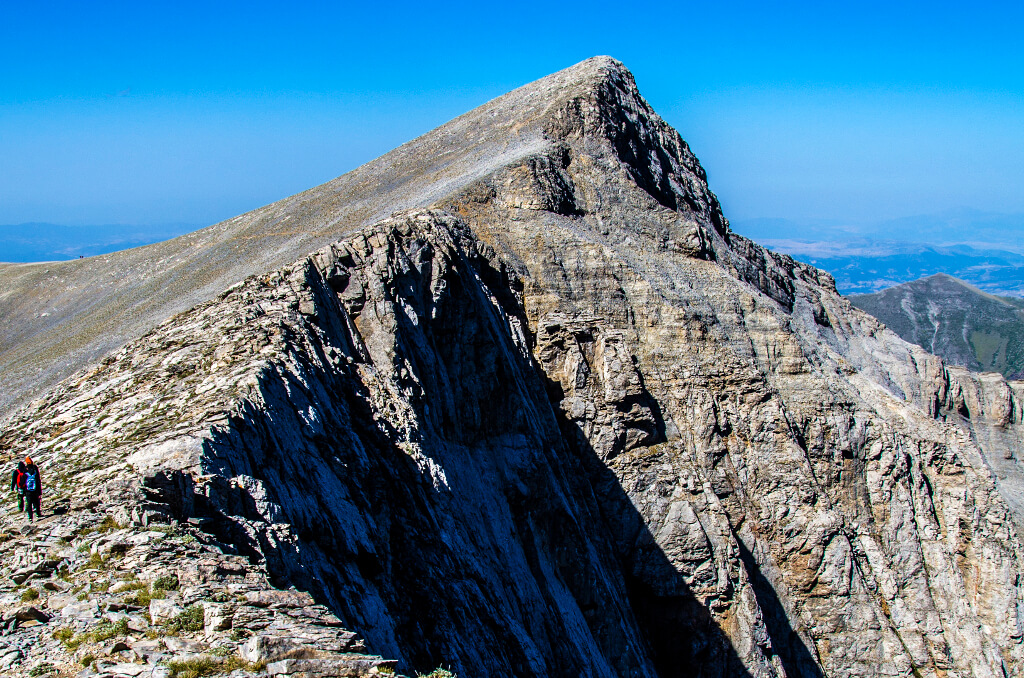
<point x="565" y="422"/>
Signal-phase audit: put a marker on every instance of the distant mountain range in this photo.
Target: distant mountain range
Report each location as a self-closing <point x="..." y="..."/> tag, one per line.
<point x="981" y="248"/>
<point x="954" y="320"/>
<point x="56" y="242"/>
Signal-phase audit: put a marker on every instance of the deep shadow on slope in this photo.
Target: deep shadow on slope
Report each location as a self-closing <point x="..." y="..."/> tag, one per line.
<point x="477" y="536"/>
<point x="796" y="657"/>
<point x="680" y="634"/>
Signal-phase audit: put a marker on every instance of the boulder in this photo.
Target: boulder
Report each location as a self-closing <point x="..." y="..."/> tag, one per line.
<point x="162" y="609"/>
<point x="278" y="598"/>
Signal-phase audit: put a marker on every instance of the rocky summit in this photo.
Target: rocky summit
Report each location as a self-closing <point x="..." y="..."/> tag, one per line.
<point x="511" y="400"/>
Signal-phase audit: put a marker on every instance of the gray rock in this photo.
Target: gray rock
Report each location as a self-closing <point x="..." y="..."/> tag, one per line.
<point x="184" y="645"/>
<point x="128" y="670"/>
<point x="10" y="657"/>
<point x="161" y="610"/>
<point x="83" y="610"/>
<point x="272" y="648"/>
<point x="271" y="598"/>
<point x="327" y="668"/>
<point x="30" y="613"/>
<point x="217" y="617"/>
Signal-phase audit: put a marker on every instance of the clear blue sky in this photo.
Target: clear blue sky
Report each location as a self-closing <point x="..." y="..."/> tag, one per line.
<point x="158" y="112"/>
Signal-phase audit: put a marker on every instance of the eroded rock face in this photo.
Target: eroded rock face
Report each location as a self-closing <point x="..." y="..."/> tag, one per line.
<point x="564" y="422"/>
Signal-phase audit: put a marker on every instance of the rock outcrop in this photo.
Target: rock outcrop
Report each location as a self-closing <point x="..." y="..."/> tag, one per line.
<point x="559" y="420"/>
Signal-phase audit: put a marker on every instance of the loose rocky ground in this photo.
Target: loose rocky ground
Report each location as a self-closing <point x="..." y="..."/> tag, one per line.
<point x="98" y="588"/>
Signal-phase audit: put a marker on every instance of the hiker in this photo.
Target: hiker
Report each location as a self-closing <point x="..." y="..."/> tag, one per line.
<point x="17" y="484"/>
<point x="33" y="485"/>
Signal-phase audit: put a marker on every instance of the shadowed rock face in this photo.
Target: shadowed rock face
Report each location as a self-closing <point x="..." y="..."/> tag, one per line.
<point x="559" y="420"/>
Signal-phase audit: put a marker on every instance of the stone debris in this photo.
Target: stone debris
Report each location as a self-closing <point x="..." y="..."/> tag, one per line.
<point x="98" y="609"/>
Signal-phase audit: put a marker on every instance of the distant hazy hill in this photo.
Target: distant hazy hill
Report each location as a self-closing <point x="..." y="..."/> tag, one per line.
<point x="954" y="320"/>
<point x="56" y="242"/>
<point x="981" y="248"/>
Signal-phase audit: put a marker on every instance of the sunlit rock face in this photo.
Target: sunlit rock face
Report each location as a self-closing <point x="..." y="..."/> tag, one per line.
<point x="558" y="419"/>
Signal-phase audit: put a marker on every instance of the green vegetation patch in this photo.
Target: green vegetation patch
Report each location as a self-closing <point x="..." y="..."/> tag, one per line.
<point x="989" y="348"/>
<point x="211" y="666"/>
<point x="103" y="632"/>
<point x="189" y="621"/>
<point x="167" y="583"/>
<point x="108" y="524"/>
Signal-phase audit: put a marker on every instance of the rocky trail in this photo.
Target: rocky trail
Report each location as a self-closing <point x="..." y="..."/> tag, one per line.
<point x="84" y="595"/>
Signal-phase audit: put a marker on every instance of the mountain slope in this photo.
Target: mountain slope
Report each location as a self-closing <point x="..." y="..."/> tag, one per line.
<point x="955" y="320"/>
<point x="562" y="421"/>
<point x="62" y="315"/>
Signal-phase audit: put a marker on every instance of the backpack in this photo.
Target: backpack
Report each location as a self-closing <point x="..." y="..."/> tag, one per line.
<point x="20" y="480"/>
<point x="31" y="482"/>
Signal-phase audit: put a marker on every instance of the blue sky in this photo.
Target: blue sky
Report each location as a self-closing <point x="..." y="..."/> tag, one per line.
<point x="157" y="113"/>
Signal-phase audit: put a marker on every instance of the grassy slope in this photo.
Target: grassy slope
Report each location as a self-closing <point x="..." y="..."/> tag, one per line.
<point x="954" y="320"/>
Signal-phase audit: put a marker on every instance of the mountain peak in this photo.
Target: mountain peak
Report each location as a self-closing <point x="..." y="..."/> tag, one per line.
<point x="952" y="285"/>
<point x="955" y="320"/>
<point x="46" y="338"/>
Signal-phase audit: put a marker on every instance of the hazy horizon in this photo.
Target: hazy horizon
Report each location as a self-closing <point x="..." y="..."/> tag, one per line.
<point x="126" y="113"/>
<point x="829" y="123"/>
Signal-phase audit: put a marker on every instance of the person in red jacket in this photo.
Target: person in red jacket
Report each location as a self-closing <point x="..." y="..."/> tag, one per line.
<point x="16" y="485"/>
<point x="33" y="485"/>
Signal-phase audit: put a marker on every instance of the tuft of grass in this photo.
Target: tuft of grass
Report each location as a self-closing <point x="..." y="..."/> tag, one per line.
<point x="144" y="594"/>
<point x="141" y="598"/>
<point x="63" y="634"/>
<point x="189" y="621"/>
<point x="29" y="595"/>
<point x="42" y="669"/>
<point x="87" y="660"/>
<point x="108" y="524"/>
<point x="133" y="585"/>
<point x="439" y="673"/>
<point x="108" y="631"/>
<point x="167" y="583"/>
<point x="169" y="530"/>
<point x="102" y="632"/>
<point x="206" y="665"/>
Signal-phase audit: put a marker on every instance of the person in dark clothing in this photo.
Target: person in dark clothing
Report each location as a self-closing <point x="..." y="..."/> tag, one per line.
<point x="33" y="484"/>
<point x="17" y="485"/>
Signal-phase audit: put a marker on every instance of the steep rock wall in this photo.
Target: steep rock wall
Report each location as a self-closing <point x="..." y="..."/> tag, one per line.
<point x="785" y="446"/>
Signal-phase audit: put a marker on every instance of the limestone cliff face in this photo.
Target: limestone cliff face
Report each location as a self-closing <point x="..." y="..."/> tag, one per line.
<point x="562" y="421"/>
